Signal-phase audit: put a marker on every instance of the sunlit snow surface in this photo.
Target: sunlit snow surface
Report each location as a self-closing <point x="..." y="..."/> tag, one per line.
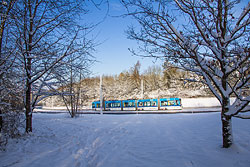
<point x="144" y="140"/>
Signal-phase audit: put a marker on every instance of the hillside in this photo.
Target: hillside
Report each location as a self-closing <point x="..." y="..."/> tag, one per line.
<point x="125" y="86"/>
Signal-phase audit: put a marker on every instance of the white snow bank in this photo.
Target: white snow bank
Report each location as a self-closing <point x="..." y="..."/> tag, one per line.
<point x="182" y="140"/>
<point x="201" y="102"/>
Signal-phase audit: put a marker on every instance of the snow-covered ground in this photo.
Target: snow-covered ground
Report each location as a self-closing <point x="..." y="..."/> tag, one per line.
<point x="144" y="140"/>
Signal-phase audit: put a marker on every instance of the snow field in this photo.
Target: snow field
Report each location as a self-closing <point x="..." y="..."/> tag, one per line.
<point x="159" y="140"/>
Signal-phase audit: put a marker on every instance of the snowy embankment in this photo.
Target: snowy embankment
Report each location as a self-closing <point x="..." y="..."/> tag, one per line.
<point x="200" y="102"/>
<point x="183" y="140"/>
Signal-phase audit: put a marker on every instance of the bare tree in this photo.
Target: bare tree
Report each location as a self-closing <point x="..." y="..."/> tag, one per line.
<point x="47" y="32"/>
<point x="11" y="106"/>
<point x="6" y="56"/>
<point x="206" y="37"/>
<point x="135" y="74"/>
<point x="72" y="70"/>
<point x="153" y="76"/>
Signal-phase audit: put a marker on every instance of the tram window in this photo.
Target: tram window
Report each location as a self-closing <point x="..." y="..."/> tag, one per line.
<point x="140" y="104"/>
<point x="116" y="104"/>
<point x="164" y="103"/>
<point x="131" y="104"/>
<point x="147" y="104"/>
<point x="171" y="103"/>
<point x="97" y="105"/>
<point x="126" y="104"/>
<point x="93" y="105"/>
<point x="109" y="105"/>
<point x="154" y="103"/>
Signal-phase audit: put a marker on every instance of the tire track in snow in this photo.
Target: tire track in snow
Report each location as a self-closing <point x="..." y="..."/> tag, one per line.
<point x="103" y="139"/>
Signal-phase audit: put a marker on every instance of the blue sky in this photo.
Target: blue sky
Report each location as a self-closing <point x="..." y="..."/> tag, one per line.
<point x="113" y="54"/>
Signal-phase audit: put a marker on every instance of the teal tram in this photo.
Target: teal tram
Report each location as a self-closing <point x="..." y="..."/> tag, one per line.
<point x="140" y="104"/>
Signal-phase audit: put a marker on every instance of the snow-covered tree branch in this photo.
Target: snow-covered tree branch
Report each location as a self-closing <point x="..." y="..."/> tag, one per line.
<point x="206" y="37"/>
<point x="47" y="32"/>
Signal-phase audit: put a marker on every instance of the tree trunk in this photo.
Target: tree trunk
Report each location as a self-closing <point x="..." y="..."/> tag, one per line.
<point x="226" y="125"/>
<point x="28" y="112"/>
<point x="28" y="71"/>
<point x="226" y="131"/>
<point x="1" y="121"/>
<point x="72" y="99"/>
<point x="28" y="99"/>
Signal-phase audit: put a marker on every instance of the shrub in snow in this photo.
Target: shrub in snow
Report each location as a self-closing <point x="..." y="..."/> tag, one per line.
<point x="12" y="127"/>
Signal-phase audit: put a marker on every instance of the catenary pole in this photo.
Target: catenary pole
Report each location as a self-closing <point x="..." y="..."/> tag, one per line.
<point x="142" y="90"/>
<point x="101" y="98"/>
